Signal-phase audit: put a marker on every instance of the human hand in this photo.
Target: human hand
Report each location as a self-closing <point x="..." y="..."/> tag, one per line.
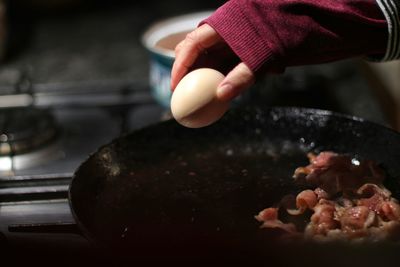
<point x="203" y="47"/>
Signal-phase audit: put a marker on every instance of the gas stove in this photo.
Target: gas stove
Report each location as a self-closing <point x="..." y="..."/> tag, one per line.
<point x="61" y="124"/>
<point x="44" y="140"/>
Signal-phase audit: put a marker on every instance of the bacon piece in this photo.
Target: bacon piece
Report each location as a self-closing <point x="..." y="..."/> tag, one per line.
<point x="268" y="214"/>
<point x="306" y="199"/>
<point x="356" y="218"/>
<point x="336" y="173"/>
<point x="374" y="198"/>
<point x="390" y="211"/>
<point x="373" y="203"/>
<point x="323" y="218"/>
<point x="323" y="159"/>
<point x="269" y="218"/>
<point x="317" y="164"/>
<point x="368" y="190"/>
<point x="321" y="193"/>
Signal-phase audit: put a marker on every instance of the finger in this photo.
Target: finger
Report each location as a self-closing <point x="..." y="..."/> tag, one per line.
<point x="235" y="82"/>
<point x="178" y="47"/>
<point x="189" y="49"/>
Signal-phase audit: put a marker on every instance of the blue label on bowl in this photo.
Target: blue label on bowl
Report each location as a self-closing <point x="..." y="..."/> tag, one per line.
<point x="160" y="79"/>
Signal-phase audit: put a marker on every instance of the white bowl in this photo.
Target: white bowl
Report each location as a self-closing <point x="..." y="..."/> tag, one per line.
<point x="161" y="59"/>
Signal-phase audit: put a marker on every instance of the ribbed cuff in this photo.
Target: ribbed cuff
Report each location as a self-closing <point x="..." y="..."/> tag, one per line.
<point x="228" y="21"/>
<point x="391" y="10"/>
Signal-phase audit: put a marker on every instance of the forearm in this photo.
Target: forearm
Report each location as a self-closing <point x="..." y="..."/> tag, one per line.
<point x="276" y="34"/>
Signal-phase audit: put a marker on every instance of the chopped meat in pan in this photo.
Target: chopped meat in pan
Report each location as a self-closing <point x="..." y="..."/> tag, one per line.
<point x="346" y="200"/>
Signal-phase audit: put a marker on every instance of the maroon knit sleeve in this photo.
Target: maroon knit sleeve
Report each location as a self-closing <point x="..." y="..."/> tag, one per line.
<point x="280" y="33"/>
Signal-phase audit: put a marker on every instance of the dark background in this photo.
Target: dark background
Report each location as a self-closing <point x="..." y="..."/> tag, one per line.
<point x="83" y="39"/>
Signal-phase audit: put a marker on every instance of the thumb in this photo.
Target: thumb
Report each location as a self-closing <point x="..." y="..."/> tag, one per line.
<point x="238" y="80"/>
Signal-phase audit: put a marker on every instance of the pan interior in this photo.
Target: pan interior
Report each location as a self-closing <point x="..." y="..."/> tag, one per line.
<point x="166" y="186"/>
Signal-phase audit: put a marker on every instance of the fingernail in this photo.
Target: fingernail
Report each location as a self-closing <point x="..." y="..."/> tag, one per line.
<point x="225" y="92"/>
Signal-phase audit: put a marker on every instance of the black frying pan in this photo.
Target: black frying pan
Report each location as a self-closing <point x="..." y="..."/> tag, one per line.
<point x="171" y="193"/>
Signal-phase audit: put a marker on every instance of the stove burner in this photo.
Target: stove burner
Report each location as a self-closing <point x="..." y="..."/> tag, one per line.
<point x="24" y="130"/>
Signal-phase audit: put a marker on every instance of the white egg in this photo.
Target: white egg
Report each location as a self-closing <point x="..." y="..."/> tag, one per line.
<point x="194" y="103"/>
